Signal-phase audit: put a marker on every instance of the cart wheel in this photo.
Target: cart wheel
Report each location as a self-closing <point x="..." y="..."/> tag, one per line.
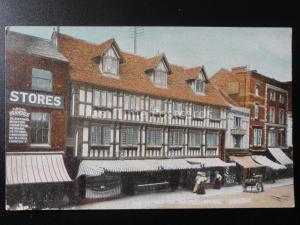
<point x="258" y="187"/>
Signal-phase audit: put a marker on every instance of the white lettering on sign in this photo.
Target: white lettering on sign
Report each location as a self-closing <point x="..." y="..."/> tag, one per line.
<point x="18" y="125"/>
<point x="38" y="99"/>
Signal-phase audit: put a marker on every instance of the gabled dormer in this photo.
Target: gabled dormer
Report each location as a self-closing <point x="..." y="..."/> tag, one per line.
<point x="109" y="58"/>
<point x="158" y="71"/>
<point x="196" y="78"/>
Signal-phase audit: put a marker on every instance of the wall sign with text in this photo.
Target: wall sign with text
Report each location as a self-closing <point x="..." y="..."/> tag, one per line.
<point x="18" y="126"/>
<point x="35" y="99"/>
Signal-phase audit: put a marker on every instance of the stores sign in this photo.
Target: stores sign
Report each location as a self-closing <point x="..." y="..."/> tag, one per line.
<point x="36" y="99"/>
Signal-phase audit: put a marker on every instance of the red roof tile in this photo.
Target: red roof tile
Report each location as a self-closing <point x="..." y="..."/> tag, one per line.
<point x="132" y="76"/>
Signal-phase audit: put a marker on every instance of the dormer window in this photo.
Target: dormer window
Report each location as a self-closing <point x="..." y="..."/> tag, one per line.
<point x="198" y="85"/>
<point x="110" y="64"/>
<point x="160" y="75"/>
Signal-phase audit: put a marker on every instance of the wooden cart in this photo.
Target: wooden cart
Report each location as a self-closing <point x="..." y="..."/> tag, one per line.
<point x="255" y="184"/>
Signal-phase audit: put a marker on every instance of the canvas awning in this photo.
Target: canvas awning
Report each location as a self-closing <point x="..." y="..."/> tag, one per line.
<point x="245" y="161"/>
<point x="99" y="167"/>
<point x="209" y="162"/>
<point x="280" y="156"/>
<point x="263" y="160"/>
<point x="35" y="167"/>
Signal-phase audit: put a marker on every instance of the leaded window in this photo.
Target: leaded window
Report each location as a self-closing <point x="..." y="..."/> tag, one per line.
<point x="195" y="139"/>
<point x="157" y="105"/>
<point x="176" y="138"/>
<point x="129" y="136"/>
<point x="198" y="111"/>
<point x="40" y="128"/>
<point x="154" y="137"/>
<point x="215" y="113"/>
<point x="102" y="98"/>
<point x="100" y="135"/>
<point x="212" y="139"/>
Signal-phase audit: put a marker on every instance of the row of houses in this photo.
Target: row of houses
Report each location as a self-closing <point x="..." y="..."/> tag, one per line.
<point x="90" y="121"/>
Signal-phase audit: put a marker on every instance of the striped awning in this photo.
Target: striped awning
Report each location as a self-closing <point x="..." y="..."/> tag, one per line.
<point x="263" y="160"/>
<point x="209" y="162"/>
<point x="245" y="161"/>
<point x="35" y="167"/>
<point x="99" y="167"/>
<point x="280" y="156"/>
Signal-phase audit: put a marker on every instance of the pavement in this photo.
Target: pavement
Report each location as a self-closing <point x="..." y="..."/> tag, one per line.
<point x="278" y="194"/>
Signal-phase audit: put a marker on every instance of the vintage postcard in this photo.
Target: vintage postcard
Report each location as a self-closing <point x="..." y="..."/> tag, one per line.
<point x="148" y="117"/>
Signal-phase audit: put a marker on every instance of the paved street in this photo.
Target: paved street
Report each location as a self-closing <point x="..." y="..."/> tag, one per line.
<point x="279" y="194"/>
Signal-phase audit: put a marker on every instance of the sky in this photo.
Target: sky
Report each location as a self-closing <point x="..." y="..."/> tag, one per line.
<point x="267" y="50"/>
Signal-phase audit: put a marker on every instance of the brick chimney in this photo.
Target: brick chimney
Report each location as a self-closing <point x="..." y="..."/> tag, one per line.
<point x="239" y="69"/>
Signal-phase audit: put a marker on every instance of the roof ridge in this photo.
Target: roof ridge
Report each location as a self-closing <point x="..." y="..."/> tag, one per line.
<point x="28" y="35"/>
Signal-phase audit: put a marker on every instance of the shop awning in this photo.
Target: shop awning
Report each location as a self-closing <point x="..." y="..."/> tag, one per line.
<point x="280" y="156"/>
<point x="99" y="167"/>
<point x="209" y="162"/>
<point x="263" y="160"/>
<point x="35" y="167"/>
<point x="245" y="161"/>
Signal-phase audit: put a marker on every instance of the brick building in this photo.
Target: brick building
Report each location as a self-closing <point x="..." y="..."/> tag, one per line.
<point x="267" y="100"/>
<point x="36" y="118"/>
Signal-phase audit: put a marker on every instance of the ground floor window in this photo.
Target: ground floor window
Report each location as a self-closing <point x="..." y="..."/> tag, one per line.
<point x="100" y="135"/>
<point x="195" y="139"/>
<point x="129" y="136"/>
<point x="212" y="139"/>
<point x="237" y="140"/>
<point x="176" y="137"/>
<point x="40" y="126"/>
<point x="154" y="137"/>
<point x="257" y="137"/>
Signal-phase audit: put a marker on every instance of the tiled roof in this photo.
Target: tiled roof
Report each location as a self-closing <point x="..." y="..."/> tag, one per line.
<point x="24" y="43"/>
<point x="193" y="73"/>
<point x="132" y="76"/>
<point x="154" y="61"/>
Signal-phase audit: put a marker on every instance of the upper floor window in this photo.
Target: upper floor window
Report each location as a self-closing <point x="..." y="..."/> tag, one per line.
<point x="282" y="98"/>
<point x="256" y="111"/>
<point x="131" y="102"/>
<point x="154" y="137"/>
<point x="272" y="138"/>
<point x="198" y="111"/>
<point x="41" y="79"/>
<point x="237" y="122"/>
<point x="272" y="115"/>
<point x="102" y="98"/>
<point x="160" y="75"/>
<point x="199" y="86"/>
<point x="215" y="113"/>
<point x="40" y="128"/>
<point x="281" y="116"/>
<point x="157" y="105"/>
<point x="272" y="95"/>
<point x="178" y="108"/>
<point x="257" y="90"/>
<point x="110" y="62"/>
<point x="257" y="137"/>
<point x="100" y="135"/>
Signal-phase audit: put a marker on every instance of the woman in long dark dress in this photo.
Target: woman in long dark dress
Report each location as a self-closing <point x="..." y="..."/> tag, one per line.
<point x="218" y="178"/>
<point x="202" y="179"/>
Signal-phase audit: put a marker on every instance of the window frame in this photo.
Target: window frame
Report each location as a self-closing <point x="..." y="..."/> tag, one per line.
<point x="212" y="113"/>
<point x="199" y="111"/>
<point x="102" y="128"/>
<point x="149" y="135"/>
<point x="207" y="140"/>
<point x="100" y="93"/>
<point x="256" y="111"/>
<point x="281" y="119"/>
<point x="282" y="98"/>
<point x="257" y="88"/>
<point x="50" y="89"/>
<point x="48" y="144"/>
<point x="114" y="59"/>
<point x="257" y="137"/>
<point x="272" y="116"/>
<point x="239" y="120"/>
<point x="195" y="133"/>
<point x="175" y="136"/>
<point x="161" y="107"/>
<point x="127" y="133"/>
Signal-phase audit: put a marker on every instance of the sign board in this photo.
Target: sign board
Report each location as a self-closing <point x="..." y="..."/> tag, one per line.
<point x="18" y="126"/>
<point x="37" y="99"/>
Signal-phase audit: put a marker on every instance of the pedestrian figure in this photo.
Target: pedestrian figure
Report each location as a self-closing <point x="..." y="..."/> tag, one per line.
<point x="218" y="179"/>
<point x="201" y="180"/>
<point x="197" y="183"/>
